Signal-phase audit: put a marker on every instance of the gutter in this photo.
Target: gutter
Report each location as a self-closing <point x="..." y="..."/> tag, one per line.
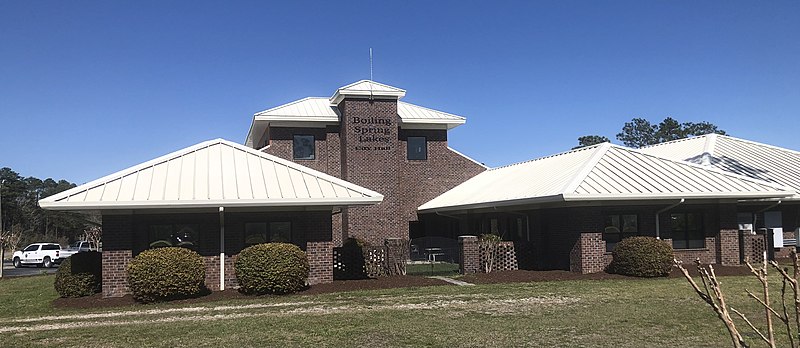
<point x="658" y="221"/>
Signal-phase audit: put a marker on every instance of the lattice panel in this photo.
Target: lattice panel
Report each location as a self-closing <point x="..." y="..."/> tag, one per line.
<point x="754" y="247"/>
<point x="506" y="258"/>
<point x="359" y="263"/>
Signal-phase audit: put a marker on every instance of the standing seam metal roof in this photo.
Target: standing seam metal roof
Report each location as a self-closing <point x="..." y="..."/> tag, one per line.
<point x="600" y="172"/>
<point x="739" y="156"/>
<point x="216" y="173"/>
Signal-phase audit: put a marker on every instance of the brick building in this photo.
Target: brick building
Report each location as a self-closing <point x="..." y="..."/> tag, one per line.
<point x="216" y="198"/>
<point x="366" y="135"/>
<point x="568" y="210"/>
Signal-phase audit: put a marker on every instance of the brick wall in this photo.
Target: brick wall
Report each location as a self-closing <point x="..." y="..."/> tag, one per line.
<point x="124" y="236"/>
<point x="707" y="255"/>
<point x="378" y="160"/>
<point x="212" y="272"/>
<point x="115" y="274"/>
<point x="588" y="254"/>
<point x="320" y="261"/>
<point x="727" y="247"/>
<point x="469" y="255"/>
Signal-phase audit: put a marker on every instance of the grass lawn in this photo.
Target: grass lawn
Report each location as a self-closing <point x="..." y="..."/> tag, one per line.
<point x="433" y="269"/>
<point x="586" y="313"/>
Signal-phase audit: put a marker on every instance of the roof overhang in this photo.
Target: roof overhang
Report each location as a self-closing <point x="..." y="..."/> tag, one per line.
<point x="575" y="198"/>
<point x="272" y="203"/>
<point x="430" y="124"/>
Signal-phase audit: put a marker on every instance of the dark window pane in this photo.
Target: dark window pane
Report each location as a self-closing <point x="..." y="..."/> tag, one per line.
<point x="678" y="222"/>
<point x="160" y="236"/>
<point x="417" y="148"/>
<point x="303" y="147"/>
<point x="630" y="223"/>
<point x="280" y="232"/>
<point x="185" y="236"/>
<point x="255" y="233"/>
<point x="32" y="248"/>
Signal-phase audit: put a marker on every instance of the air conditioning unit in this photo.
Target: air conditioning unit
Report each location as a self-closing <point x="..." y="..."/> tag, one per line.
<point x="747" y="227"/>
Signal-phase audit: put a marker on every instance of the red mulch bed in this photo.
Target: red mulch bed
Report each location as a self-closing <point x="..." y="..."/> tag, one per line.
<point x="97" y="301"/>
<point x="546" y="276"/>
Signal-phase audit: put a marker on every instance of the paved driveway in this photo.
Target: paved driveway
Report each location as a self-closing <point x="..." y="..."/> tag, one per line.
<point x="10" y="271"/>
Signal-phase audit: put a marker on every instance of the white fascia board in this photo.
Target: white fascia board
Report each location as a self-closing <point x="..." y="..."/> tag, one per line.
<point x="493" y="204"/>
<point x="274" y="119"/>
<point x="672" y="196"/>
<point x="338" y="97"/>
<point x="430" y="124"/>
<point x="178" y="204"/>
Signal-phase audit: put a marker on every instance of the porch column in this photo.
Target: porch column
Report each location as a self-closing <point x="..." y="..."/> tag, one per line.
<point x="588" y="254"/>
<point x="221" y="248"/>
<point x="469" y="254"/>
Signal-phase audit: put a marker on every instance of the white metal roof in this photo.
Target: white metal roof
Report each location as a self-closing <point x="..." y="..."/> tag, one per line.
<point x="735" y="155"/>
<point x="215" y="173"/>
<point x="319" y="111"/>
<point x="311" y="107"/>
<point x="366" y="88"/>
<point x="602" y="172"/>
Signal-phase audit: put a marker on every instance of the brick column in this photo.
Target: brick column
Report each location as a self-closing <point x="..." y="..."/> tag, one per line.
<point x="320" y="262"/>
<point x="588" y="254"/>
<point x="468" y="254"/>
<point x="727" y="247"/>
<point x="115" y="273"/>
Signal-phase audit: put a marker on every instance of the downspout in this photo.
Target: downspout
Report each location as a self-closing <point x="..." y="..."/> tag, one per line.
<point x="221" y="248"/>
<point x="658" y="220"/>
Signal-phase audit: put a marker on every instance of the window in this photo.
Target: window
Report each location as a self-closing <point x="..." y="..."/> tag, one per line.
<point x="417" y="148"/>
<point x="687" y="231"/>
<point x="167" y="235"/>
<point x="619" y="227"/>
<point x="32" y="248"/>
<point x="262" y="232"/>
<point x="303" y="147"/>
<point x="51" y="247"/>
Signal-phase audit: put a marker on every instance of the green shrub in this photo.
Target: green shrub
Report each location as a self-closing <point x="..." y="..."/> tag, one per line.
<point x="165" y="274"/>
<point x="271" y="268"/>
<point x="642" y="257"/>
<point x="79" y="275"/>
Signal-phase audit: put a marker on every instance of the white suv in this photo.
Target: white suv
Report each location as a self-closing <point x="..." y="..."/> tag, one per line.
<point x="39" y="254"/>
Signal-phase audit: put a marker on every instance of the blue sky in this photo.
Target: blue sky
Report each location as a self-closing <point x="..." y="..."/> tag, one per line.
<point x="89" y="88"/>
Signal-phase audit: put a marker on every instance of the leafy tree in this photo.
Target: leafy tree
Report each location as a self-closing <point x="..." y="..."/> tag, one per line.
<point x="637" y="133"/>
<point x="20" y="210"/>
<point x="640" y="132"/>
<point x="589" y="140"/>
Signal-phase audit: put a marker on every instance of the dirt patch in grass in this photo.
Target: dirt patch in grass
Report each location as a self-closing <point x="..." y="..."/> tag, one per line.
<point x="546" y="276"/>
<point x="97" y="300"/>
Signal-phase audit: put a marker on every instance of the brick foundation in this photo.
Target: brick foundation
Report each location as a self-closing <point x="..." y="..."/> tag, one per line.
<point x="707" y="255"/>
<point x="588" y="255"/>
<point x="115" y="274"/>
<point x="320" y="261"/>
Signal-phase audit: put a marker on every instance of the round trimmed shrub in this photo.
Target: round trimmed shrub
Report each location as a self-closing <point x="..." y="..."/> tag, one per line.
<point x="642" y="257"/>
<point x="271" y="268"/>
<point x="79" y="275"/>
<point x="165" y="274"/>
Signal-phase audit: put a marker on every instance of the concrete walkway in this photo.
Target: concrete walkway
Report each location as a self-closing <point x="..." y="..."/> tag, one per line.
<point x="452" y="281"/>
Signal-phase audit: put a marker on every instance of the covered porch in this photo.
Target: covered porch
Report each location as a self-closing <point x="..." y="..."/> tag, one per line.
<point x="215" y="198"/>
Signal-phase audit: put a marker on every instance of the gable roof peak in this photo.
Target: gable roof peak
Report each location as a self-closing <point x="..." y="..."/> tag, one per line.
<point x="367" y="88"/>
